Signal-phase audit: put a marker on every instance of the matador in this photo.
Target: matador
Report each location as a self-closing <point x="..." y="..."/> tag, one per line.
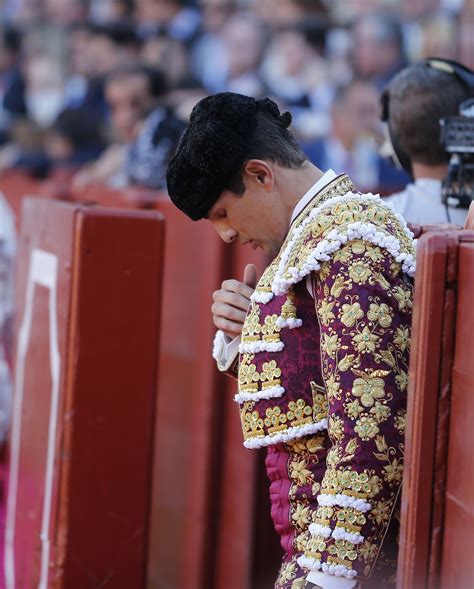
<point x="319" y="347"/>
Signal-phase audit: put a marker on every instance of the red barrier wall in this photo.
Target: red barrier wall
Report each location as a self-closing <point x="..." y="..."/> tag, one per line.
<point x="84" y="403"/>
<point x="436" y="539"/>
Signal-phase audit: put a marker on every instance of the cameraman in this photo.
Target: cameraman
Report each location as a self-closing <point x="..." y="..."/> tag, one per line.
<point x="416" y="100"/>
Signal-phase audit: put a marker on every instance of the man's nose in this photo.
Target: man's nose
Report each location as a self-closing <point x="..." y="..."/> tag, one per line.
<point x="226" y="233"/>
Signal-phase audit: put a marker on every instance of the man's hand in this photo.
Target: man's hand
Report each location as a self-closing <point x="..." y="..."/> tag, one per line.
<point x="232" y="301"/>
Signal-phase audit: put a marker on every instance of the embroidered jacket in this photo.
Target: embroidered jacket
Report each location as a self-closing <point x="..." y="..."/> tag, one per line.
<point x="335" y="365"/>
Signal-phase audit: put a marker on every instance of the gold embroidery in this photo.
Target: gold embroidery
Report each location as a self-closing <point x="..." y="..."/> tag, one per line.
<point x="270" y="330"/>
<point x="252" y="328"/>
<point x="288" y="310"/>
<point x="275" y="420"/>
<point x="252" y="423"/>
<point x="248" y="375"/>
<point x="336" y="560"/>
<point x="270" y="375"/>
<point x="369" y="389"/>
<point x="351" y="314"/>
<point x="350" y="518"/>
<point x="350" y="482"/>
<point x="299" y="413"/>
<point x="342" y="550"/>
<point x="299" y="472"/>
<point x="320" y="402"/>
<point x="264" y="285"/>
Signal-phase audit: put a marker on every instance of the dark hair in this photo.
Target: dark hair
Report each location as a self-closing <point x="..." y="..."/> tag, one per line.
<point x="271" y="141"/>
<point x="154" y="76"/>
<point x="118" y="32"/>
<point x="419" y="97"/>
<point x="10" y="38"/>
<point x="80" y="127"/>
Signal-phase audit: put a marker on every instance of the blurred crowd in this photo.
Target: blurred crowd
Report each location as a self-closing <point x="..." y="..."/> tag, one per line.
<point x="101" y="89"/>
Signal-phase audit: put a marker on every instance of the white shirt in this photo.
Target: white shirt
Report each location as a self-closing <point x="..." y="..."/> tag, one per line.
<point x="421" y="203"/>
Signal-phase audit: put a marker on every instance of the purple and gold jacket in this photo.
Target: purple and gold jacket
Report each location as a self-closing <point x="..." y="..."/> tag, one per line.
<point x="323" y="381"/>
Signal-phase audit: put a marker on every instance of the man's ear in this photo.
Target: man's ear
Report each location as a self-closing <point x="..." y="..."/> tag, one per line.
<point x="259" y="173"/>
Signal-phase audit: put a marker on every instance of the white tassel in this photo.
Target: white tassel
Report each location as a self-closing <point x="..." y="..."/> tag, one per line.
<point x="289" y="434"/>
<point x="343" y="500"/>
<point x="269" y="393"/>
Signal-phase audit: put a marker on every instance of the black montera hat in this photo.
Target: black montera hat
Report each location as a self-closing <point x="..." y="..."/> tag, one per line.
<point x="213" y="148"/>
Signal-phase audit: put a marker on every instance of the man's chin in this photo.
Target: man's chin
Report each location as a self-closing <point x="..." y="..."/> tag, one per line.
<point x="270" y="250"/>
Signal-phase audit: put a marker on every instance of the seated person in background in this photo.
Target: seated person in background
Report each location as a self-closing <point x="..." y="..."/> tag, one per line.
<point x="131" y="93"/>
<point x="414" y="102"/>
<point x="154" y="148"/>
<point x="73" y="140"/>
<point x="12" y="83"/>
<point x="351" y="144"/>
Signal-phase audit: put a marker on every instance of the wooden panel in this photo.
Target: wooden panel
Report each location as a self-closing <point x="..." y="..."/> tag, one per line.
<point x="189" y="408"/>
<point x="458" y="542"/>
<point x="78" y="502"/>
<point x="437" y="538"/>
<point x="428" y="404"/>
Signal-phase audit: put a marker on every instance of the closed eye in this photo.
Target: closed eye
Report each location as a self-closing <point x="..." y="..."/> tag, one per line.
<point x="216" y="215"/>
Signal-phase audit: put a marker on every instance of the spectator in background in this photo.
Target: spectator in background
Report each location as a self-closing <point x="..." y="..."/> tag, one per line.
<point x="95" y="51"/>
<point x="208" y="51"/>
<point x="438" y="36"/>
<point x="378" y="51"/>
<point x="171" y="55"/>
<point x="44" y="90"/>
<point x="296" y="72"/>
<point x="352" y="143"/>
<point x="244" y="42"/>
<point x="280" y="13"/>
<point x="12" y="84"/>
<point x="131" y="93"/>
<point x="415" y="101"/>
<point x="64" y="12"/>
<point x="43" y="95"/>
<point x="112" y="45"/>
<point x="73" y="140"/>
<point x="111" y="11"/>
<point x="154" y="148"/>
<point x="294" y="68"/>
<point x="466" y="36"/>
<point x="170" y="17"/>
<point x="82" y="76"/>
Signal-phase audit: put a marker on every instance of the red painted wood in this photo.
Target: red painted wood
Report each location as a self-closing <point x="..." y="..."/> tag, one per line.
<point x="107" y="311"/>
<point x="437" y="539"/>
<point x="422" y="412"/>
<point x="187" y="433"/>
<point x="458" y="539"/>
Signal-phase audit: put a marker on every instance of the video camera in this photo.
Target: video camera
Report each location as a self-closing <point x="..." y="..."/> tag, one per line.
<point x="457" y="138"/>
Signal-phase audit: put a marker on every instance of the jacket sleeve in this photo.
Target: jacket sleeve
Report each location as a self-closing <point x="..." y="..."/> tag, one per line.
<point x="363" y="303"/>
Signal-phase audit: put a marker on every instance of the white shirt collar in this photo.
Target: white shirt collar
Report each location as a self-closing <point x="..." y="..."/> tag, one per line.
<point x="317" y="187"/>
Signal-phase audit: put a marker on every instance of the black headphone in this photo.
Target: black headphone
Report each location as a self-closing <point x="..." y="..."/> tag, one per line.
<point x="454" y="68"/>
